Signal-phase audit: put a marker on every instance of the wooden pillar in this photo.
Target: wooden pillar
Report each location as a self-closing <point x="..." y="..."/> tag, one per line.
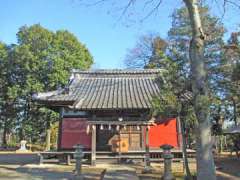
<point x="119" y="146"/>
<point x="59" y="139"/>
<point x="142" y="138"/>
<point x="93" y="153"/>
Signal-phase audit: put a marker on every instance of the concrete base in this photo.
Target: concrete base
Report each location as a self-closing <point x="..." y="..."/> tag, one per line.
<point x="23" y="151"/>
<point x="19" y="158"/>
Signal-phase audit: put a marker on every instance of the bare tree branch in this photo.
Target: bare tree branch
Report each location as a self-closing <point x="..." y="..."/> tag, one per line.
<point x="232" y="2"/>
<point x="155" y="9"/>
<point x="147" y="3"/>
<point x="130" y="3"/>
<point x="93" y="3"/>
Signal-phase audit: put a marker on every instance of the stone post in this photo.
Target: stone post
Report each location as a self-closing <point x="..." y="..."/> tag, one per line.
<point x="167" y="155"/>
<point x="78" y="155"/>
<point x="147" y="164"/>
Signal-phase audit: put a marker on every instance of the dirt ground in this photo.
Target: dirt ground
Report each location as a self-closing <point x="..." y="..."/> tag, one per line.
<point x="46" y="172"/>
<point x="228" y="168"/>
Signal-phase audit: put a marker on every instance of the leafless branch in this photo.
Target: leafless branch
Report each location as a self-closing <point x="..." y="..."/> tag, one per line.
<point x="233" y="2"/>
<point x="154" y="9"/>
<point x="93" y="3"/>
<point x="220" y="9"/>
<point x="147" y="3"/>
<point x="129" y="4"/>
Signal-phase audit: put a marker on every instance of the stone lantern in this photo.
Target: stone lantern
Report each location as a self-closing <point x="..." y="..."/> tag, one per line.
<point x="167" y="156"/>
<point x="78" y="155"/>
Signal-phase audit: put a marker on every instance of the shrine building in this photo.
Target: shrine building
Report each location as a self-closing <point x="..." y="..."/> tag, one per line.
<point x="110" y="111"/>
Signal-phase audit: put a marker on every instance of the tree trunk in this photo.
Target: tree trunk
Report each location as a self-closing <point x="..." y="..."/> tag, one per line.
<point x="184" y="151"/>
<point x="234" y="112"/>
<point x="220" y="144"/>
<point x="48" y="140"/>
<point x="205" y="162"/>
<point x="4" y="137"/>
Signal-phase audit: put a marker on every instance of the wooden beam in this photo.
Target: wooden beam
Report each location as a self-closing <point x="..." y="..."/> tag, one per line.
<point x="96" y="122"/>
<point x="114" y="118"/>
<point x="93" y="148"/>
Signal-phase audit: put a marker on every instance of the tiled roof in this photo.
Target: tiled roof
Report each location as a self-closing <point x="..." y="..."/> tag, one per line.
<point x="108" y="89"/>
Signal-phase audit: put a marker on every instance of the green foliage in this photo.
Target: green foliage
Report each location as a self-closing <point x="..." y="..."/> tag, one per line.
<point x="41" y="61"/>
<point x="49" y="57"/>
<point x="180" y="35"/>
<point x="230" y="81"/>
<point x="54" y="135"/>
<point x="179" y="38"/>
<point x="173" y="57"/>
<point x="166" y="105"/>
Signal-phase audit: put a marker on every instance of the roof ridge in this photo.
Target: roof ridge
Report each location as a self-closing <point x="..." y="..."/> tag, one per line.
<point x="117" y="71"/>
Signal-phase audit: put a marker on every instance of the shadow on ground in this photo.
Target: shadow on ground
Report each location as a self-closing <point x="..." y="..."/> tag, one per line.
<point x="43" y="173"/>
<point x="120" y="175"/>
<point x="228" y="168"/>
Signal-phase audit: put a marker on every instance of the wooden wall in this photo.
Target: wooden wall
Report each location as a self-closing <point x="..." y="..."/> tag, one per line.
<point x="74" y="132"/>
<point x="164" y="133"/>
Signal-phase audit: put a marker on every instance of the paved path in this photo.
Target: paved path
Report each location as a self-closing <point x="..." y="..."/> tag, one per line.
<point x="120" y="175"/>
<point x="119" y="172"/>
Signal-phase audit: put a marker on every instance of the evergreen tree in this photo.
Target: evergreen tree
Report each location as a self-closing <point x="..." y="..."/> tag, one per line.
<point x="175" y="98"/>
<point x="40" y="61"/>
<point x="230" y="79"/>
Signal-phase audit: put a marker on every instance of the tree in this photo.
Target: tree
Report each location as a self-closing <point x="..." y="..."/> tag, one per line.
<point x="178" y="44"/>
<point x="3" y="57"/>
<point x="8" y="107"/>
<point x="41" y="61"/>
<point x="146" y="52"/>
<point x="170" y="102"/>
<point x="200" y="89"/>
<point x="205" y="162"/>
<point x="230" y="81"/>
<point x="179" y="37"/>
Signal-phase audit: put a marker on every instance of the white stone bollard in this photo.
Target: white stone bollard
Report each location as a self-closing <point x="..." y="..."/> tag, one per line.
<point x="23" y="148"/>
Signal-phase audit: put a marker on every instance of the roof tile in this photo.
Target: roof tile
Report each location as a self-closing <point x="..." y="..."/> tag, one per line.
<point x="110" y="89"/>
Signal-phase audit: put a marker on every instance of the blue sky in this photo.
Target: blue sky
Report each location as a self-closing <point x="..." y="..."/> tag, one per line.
<point x="98" y="27"/>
